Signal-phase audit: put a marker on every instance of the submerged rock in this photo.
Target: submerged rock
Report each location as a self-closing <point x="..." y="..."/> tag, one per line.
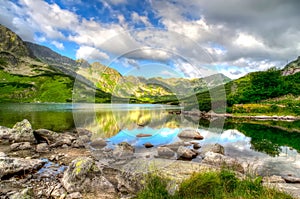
<point x="12" y="166"/>
<point x="190" y="134"/>
<point x="141" y="135"/>
<point x="148" y="145"/>
<point x="99" y="143"/>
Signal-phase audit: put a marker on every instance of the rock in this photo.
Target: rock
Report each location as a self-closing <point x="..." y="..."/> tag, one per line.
<point x="290" y="179"/>
<point x="99" y="143"/>
<point x="220" y="160"/>
<point x="216" y="148"/>
<point x="123" y="150"/>
<point x="22" y="132"/>
<point x="64" y="139"/>
<point x="273" y="179"/>
<point x="196" y="146"/>
<point x="148" y="145"/>
<point x="187" y="153"/>
<point x="174" y="146"/>
<point x="44" y="135"/>
<point x="84" y="138"/>
<point x="24" y="194"/>
<point x="58" y="191"/>
<point x="5" y="133"/>
<point x="165" y="152"/>
<point x="2" y="154"/>
<point x="190" y="134"/>
<point x="20" y="146"/>
<point x="84" y="175"/>
<point x="12" y="166"/>
<point x="78" y="144"/>
<point x="43" y="147"/>
<point x="75" y="195"/>
<point x="82" y="131"/>
<point x="141" y="135"/>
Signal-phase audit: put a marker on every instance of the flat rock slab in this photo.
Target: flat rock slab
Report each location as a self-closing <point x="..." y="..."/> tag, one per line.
<point x="13" y="166"/>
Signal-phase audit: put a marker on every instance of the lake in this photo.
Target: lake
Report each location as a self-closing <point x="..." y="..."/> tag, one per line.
<point x="271" y="145"/>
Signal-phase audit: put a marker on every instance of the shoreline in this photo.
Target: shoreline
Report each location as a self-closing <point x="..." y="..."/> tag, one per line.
<point x="208" y="115"/>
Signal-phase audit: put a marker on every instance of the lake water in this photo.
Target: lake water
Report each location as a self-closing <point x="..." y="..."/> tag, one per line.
<point x="273" y="146"/>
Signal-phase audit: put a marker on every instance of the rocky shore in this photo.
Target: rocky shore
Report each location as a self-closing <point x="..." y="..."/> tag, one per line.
<point x="45" y="164"/>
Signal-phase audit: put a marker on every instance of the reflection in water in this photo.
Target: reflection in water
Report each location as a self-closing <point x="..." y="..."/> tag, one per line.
<point x="273" y="145"/>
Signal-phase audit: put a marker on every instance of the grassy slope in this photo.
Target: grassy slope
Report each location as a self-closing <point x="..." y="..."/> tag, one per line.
<point x="266" y="92"/>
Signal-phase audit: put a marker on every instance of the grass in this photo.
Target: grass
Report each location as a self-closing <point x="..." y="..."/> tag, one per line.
<point x="211" y="184"/>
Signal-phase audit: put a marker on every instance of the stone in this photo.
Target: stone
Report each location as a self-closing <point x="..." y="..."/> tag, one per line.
<point x="186" y="153"/>
<point x="99" y="143"/>
<point x="165" y="152"/>
<point x="20" y="146"/>
<point x="141" y="135"/>
<point x="2" y="154"/>
<point x="12" y="166"/>
<point x="84" y="138"/>
<point x="5" y="133"/>
<point x="148" y="145"/>
<point x="196" y="146"/>
<point x="43" y="147"/>
<point x="78" y="144"/>
<point x="45" y="135"/>
<point x="216" y="148"/>
<point x="64" y="139"/>
<point x="273" y="179"/>
<point x="291" y="179"/>
<point x="190" y="134"/>
<point x="82" y="131"/>
<point x="84" y="175"/>
<point x="123" y="150"/>
<point x="74" y="195"/>
<point x="174" y="146"/>
<point x="24" y="194"/>
<point x="220" y="160"/>
<point x="22" y="132"/>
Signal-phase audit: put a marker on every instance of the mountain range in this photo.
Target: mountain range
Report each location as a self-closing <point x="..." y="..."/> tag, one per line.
<point x="33" y="73"/>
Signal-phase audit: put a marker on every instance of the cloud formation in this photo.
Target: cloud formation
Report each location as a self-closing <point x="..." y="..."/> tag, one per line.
<point x="232" y="37"/>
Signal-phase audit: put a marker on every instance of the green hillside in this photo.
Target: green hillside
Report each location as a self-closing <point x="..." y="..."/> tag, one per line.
<point x="266" y="92"/>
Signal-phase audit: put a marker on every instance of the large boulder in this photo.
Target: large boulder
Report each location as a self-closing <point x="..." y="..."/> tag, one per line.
<point x="12" y="166"/>
<point x="215" y="148"/>
<point x="84" y="175"/>
<point x="22" y="132"/>
<point x="190" y="134"/>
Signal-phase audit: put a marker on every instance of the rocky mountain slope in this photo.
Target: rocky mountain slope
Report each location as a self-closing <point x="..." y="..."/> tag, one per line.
<point x="25" y="78"/>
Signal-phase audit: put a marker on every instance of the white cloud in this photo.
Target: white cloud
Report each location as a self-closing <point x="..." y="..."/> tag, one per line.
<point x="136" y="18"/>
<point x="116" y="2"/>
<point x="58" y="45"/>
<point x="90" y="53"/>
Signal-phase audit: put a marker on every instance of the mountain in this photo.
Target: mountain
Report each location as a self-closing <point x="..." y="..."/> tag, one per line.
<point x="264" y="92"/>
<point x="24" y="77"/>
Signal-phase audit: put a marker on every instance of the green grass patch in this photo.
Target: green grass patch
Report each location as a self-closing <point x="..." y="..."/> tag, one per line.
<point x="208" y="185"/>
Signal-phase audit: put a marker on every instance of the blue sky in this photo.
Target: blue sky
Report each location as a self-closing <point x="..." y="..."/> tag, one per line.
<point x="167" y="38"/>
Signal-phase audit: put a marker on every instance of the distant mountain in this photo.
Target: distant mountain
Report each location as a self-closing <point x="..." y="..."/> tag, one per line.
<point x="25" y="77"/>
<point x="52" y="58"/>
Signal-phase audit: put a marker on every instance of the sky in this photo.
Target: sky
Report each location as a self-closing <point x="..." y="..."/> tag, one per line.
<point x="167" y="38"/>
